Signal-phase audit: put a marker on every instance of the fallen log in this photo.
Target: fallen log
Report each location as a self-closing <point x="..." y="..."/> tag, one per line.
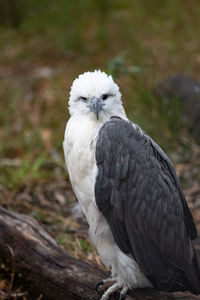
<point x="50" y="270"/>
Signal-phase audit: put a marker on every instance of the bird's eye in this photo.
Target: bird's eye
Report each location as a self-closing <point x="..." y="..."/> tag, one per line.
<point x="105" y="96"/>
<point x="83" y="98"/>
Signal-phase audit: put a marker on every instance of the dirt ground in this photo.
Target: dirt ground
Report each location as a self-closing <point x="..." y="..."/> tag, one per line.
<point x="51" y="204"/>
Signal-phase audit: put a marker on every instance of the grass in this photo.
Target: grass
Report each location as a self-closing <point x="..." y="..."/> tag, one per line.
<point x="138" y="42"/>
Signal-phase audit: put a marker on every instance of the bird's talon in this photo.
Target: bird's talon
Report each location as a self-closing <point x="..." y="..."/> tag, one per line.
<point x="122" y="296"/>
<point x="113" y="288"/>
<point x="98" y="285"/>
<point x="123" y="292"/>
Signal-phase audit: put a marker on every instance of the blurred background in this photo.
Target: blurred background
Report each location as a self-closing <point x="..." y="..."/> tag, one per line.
<point x="44" y="45"/>
<point x="152" y="49"/>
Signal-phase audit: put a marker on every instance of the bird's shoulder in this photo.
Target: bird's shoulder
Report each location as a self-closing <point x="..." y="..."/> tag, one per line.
<point x="129" y="161"/>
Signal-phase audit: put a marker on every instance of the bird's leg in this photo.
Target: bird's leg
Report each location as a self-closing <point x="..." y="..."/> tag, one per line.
<point x="123" y="293"/>
<point x="105" y="281"/>
<point x="113" y="288"/>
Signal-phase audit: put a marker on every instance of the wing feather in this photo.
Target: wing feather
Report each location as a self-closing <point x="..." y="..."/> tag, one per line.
<point x="138" y="192"/>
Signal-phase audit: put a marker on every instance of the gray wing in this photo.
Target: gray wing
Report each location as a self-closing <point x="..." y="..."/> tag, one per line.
<point x="138" y="192"/>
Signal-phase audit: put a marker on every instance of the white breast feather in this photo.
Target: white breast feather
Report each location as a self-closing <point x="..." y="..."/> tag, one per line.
<point x="79" y="148"/>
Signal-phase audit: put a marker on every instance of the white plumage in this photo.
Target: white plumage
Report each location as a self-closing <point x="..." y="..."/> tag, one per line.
<point x="79" y="149"/>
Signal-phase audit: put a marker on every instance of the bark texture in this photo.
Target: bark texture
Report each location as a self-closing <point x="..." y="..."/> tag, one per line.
<point x="50" y="270"/>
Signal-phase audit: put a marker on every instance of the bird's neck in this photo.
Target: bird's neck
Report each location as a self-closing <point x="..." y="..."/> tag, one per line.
<point x="86" y="126"/>
<point x="104" y="116"/>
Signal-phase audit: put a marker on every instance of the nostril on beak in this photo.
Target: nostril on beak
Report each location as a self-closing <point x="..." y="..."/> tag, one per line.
<point x="96" y="106"/>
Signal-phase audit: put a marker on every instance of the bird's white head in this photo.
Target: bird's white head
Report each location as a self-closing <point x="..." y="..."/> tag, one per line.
<point x="95" y="95"/>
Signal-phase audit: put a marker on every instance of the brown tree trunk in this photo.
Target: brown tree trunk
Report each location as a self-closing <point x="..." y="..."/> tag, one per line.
<point x="50" y="269"/>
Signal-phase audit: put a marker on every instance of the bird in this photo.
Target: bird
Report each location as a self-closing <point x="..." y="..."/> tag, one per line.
<point x="129" y="193"/>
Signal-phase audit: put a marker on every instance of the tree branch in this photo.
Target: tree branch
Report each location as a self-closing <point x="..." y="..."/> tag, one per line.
<point x="52" y="271"/>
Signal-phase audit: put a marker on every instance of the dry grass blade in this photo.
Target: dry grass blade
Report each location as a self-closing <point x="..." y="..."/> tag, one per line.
<point x="14" y="295"/>
<point x="40" y="297"/>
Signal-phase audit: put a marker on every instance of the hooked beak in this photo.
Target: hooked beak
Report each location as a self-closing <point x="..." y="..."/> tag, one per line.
<point x="96" y="106"/>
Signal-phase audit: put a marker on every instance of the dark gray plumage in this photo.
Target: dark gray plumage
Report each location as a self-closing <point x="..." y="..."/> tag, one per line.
<point x="138" y="192"/>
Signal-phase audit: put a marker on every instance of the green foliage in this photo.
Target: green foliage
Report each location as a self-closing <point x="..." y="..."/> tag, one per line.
<point x="138" y="42"/>
<point x="62" y="240"/>
<point x="27" y="171"/>
<point x="117" y="67"/>
<point x="40" y="216"/>
<point x="86" y="246"/>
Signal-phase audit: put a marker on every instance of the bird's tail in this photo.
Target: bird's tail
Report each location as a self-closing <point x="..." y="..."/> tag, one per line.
<point x="185" y="277"/>
<point x="192" y="280"/>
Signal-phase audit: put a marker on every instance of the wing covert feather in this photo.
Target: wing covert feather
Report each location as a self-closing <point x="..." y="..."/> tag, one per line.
<point x="138" y="192"/>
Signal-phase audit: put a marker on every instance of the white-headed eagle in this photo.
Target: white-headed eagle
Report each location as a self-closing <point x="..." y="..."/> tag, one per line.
<point x="128" y="191"/>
